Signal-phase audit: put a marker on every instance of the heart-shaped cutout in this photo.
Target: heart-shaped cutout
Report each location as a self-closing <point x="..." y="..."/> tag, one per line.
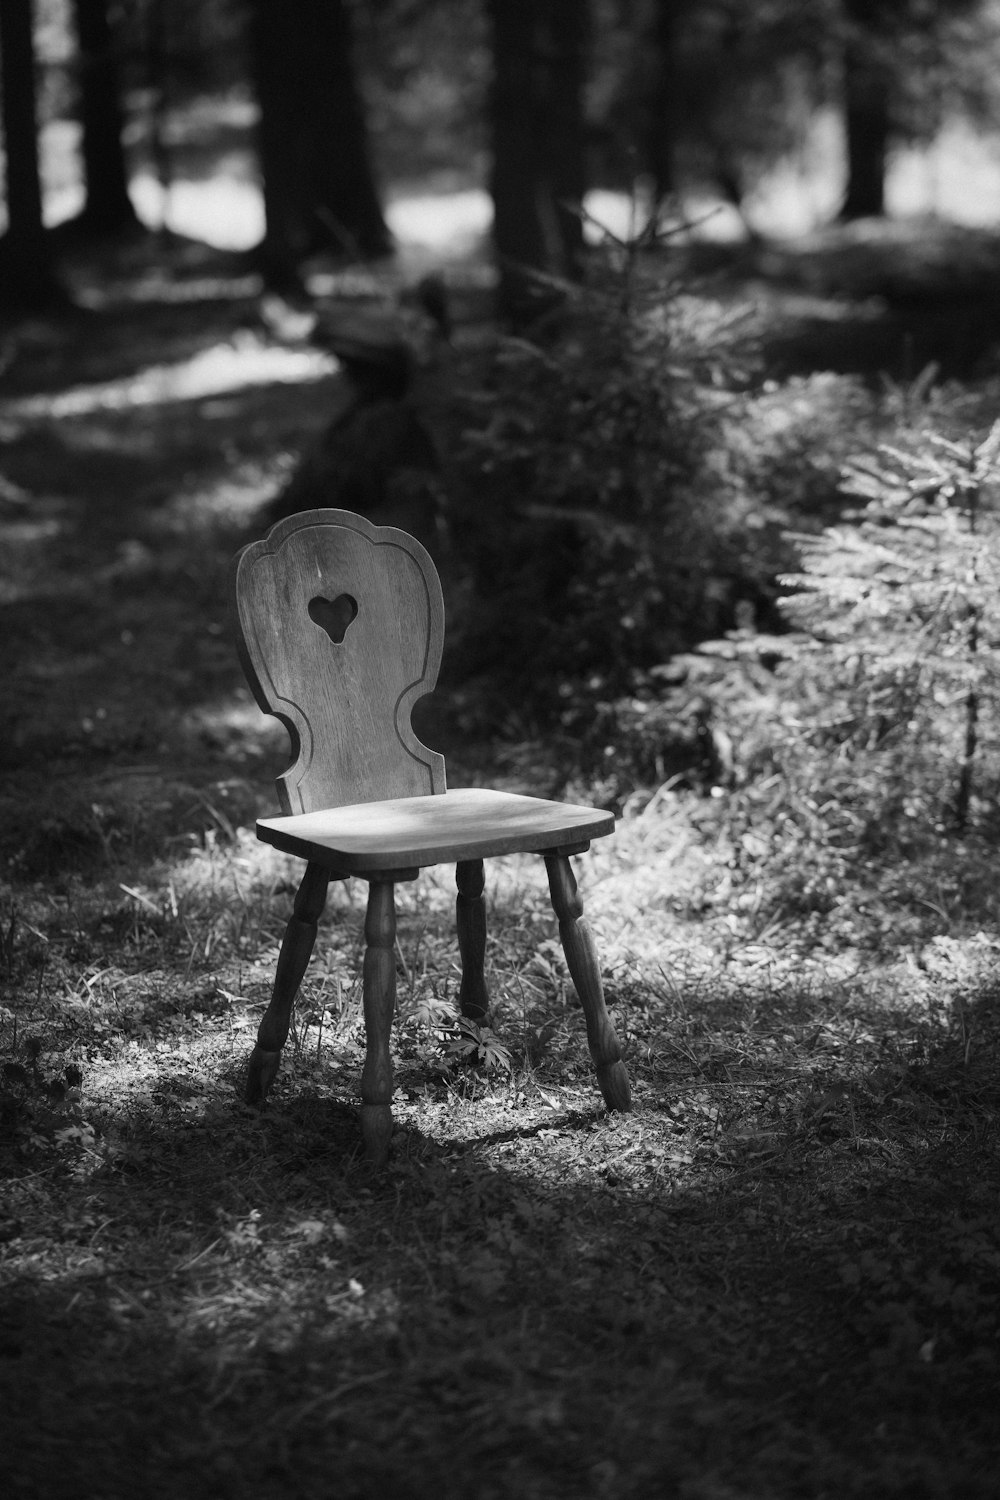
<point x="334" y="615"/>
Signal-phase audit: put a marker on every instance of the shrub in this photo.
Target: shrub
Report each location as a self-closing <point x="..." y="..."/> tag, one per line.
<point x="902" y="610"/>
<point x="866" y="737"/>
<point x="598" y="511"/>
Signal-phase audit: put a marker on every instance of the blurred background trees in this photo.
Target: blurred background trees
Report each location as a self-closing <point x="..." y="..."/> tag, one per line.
<point x="905" y="67"/>
<point x="619" y="483"/>
<point x="25" y="275"/>
<point x="534" y="101"/>
<point x="107" y="209"/>
<point x="539" y="173"/>
<point x="312" y="137"/>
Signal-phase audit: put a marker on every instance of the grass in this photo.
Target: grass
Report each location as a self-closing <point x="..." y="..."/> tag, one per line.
<point x="778" y="1276"/>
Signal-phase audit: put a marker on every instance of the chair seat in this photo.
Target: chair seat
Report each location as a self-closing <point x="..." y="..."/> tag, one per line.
<point x="443" y="828"/>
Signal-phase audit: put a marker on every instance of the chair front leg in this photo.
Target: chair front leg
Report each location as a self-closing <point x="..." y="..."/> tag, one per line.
<point x="296" y="948"/>
<point x="581" y="957"/>
<point x="379" y="1004"/>
<point x="470" y="920"/>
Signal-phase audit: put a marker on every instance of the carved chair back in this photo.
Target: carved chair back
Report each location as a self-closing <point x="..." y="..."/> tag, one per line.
<point x="341" y="628"/>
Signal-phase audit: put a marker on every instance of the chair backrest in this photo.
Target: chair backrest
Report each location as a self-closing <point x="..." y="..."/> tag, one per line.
<point x="340" y="629"/>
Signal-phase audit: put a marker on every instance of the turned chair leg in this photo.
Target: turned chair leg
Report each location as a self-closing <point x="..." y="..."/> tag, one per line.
<point x="581" y="957"/>
<point x="379" y="1005"/>
<point x="470" y="919"/>
<point x="296" y="948"/>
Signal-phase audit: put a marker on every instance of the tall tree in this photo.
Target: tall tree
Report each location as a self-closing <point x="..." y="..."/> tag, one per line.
<point x="26" y="276"/>
<point x="900" y="60"/>
<point x="661" y="131"/>
<point x="538" y="175"/>
<point x="518" y="231"/>
<point x="108" y="208"/>
<point x="868" y="83"/>
<point x="565" y="34"/>
<point x="319" y="187"/>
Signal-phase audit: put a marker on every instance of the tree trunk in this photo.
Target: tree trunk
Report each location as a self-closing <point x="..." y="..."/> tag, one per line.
<point x="867" y="126"/>
<point x="662" y="128"/>
<point x="347" y="215"/>
<point x="108" y="208"/>
<point x="26" y="279"/>
<point x="538" y="176"/>
<point x="319" y="191"/>
<point x="518" y="231"/>
<point x="562" y="132"/>
<point x="281" y="133"/>
<point x="871" y="59"/>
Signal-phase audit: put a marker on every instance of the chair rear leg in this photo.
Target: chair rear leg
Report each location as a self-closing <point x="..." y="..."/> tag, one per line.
<point x="581" y="957"/>
<point x="470" y="919"/>
<point x="296" y="948"/>
<point x="379" y="1004"/>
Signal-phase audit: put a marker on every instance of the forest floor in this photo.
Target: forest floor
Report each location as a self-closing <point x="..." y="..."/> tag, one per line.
<point x="779" y="1276"/>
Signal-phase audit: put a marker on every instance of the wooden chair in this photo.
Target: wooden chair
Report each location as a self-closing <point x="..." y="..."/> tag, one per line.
<point x="340" y="628"/>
